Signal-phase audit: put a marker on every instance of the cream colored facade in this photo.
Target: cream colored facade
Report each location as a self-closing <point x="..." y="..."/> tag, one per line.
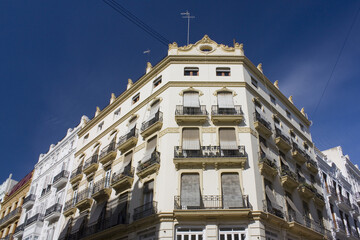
<point x="11" y="207"/>
<point x="203" y="146"/>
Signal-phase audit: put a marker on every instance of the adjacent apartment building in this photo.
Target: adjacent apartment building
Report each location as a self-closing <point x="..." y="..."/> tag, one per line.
<point x="41" y="216"/>
<point x="6" y="186"/>
<point x="11" y="207"/>
<point x="203" y="146"/>
<point x="340" y="178"/>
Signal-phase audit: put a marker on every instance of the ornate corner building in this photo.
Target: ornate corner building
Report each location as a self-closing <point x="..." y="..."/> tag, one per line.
<point x="203" y="146"/>
<point x="11" y="207"/>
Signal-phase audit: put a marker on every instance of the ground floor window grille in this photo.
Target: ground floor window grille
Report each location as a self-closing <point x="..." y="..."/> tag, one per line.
<point x="232" y="234"/>
<point x="189" y="234"/>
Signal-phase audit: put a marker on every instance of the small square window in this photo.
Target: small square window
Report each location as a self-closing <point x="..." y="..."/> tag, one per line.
<point x="276" y="120"/>
<point x="302" y="127"/>
<point x="254" y="82"/>
<point x="222" y="71"/>
<point x="100" y="126"/>
<point x="191" y="71"/>
<point x="136" y="98"/>
<point x="288" y="114"/>
<point x="292" y="134"/>
<point x="117" y="112"/>
<point x="157" y="81"/>
<point x="312" y="178"/>
<point x="273" y="100"/>
<point x="86" y="137"/>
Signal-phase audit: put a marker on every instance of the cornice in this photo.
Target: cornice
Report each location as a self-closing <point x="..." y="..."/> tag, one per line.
<point x="15" y="195"/>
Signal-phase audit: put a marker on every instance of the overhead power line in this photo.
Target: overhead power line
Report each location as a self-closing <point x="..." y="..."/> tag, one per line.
<point x="337" y="60"/>
<point x="132" y="18"/>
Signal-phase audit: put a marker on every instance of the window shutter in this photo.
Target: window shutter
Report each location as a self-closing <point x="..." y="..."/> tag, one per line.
<point x="272" y="198"/>
<point x="191" y="139"/>
<point x="132" y="124"/>
<point x="190" y="190"/>
<point x="191" y="99"/>
<point x="228" y="139"/>
<point x="225" y="100"/>
<point x="231" y="192"/>
<point x="154" y="109"/>
<point x="150" y="148"/>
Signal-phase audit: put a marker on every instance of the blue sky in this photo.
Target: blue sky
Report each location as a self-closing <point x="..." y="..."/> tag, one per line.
<point x="61" y="59"/>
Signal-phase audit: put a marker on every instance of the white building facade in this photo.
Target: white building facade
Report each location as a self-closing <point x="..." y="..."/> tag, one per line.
<point x="41" y="217"/>
<point x="6" y="186"/>
<point x="203" y="146"/>
<point x="340" y="179"/>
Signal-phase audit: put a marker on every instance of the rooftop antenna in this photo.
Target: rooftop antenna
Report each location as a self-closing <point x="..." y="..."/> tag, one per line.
<point x="187" y="15"/>
<point x="148" y="54"/>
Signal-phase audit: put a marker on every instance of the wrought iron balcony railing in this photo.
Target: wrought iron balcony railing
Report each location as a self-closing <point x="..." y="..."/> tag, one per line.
<point x="46" y="190"/>
<point x="19" y="228"/>
<point x="91" y="160"/>
<point x="157" y="118"/>
<point x="182" y="110"/>
<point x="76" y="172"/>
<point x="10" y="215"/>
<point x="263" y="159"/>
<point x="62" y="174"/>
<point x="306" y="221"/>
<point x="84" y="194"/>
<point x="344" y="199"/>
<point x="340" y="226"/>
<point x="209" y="152"/>
<point x="296" y="148"/>
<point x="277" y="211"/>
<point x="259" y="118"/>
<point x="153" y="159"/>
<point x="285" y="171"/>
<point x="101" y="184"/>
<point x="211" y="202"/>
<point x="36" y="218"/>
<point x="108" y="149"/>
<point x="312" y="162"/>
<point x="216" y="111"/>
<point x="127" y="172"/>
<point x="279" y="134"/>
<point x="54" y="208"/>
<point x="132" y="133"/>
<point x="69" y="204"/>
<point x="145" y="210"/>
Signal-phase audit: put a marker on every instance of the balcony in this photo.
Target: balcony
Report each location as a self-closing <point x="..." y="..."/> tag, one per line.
<point x="84" y="200"/>
<point x="8" y="237"/>
<point x="123" y="180"/>
<point x="46" y="191"/>
<point x="319" y="200"/>
<point x="76" y="175"/>
<point x="101" y="190"/>
<point x="277" y="211"/>
<point x="210" y="155"/>
<point x="69" y="208"/>
<point x="266" y="166"/>
<point x="227" y="115"/>
<point x="37" y="219"/>
<point x="288" y="179"/>
<point x="128" y="140"/>
<point x="19" y="231"/>
<point x="211" y="206"/>
<point x="91" y="164"/>
<point x="343" y="203"/>
<point x="261" y="125"/>
<point x="152" y="125"/>
<point x="149" y="166"/>
<point x="186" y="115"/>
<point x="332" y="194"/>
<point x="312" y="166"/>
<point x="305" y="190"/>
<point x="108" y="154"/>
<point x="340" y="228"/>
<point x="29" y="201"/>
<point x="355" y="211"/>
<point x="60" y="179"/>
<point x="11" y="217"/>
<point x="145" y="210"/>
<point x="281" y="141"/>
<point x="53" y="213"/>
<point x="302" y="225"/>
<point x="299" y="155"/>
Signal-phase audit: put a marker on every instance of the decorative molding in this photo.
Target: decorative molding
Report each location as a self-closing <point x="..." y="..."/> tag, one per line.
<point x="138" y="148"/>
<point x="169" y="130"/>
<point x="209" y="130"/>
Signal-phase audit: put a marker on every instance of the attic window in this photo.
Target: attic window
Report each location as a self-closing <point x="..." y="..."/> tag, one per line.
<point x="222" y="71"/>
<point x="191" y="71"/>
<point x="288" y="114"/>
<point x="157" y="81"/>
<point x="206" y="48"/>
<point x="136" y="98"/>
<point x="254" y="82"/>
<point x="100" y="126"/>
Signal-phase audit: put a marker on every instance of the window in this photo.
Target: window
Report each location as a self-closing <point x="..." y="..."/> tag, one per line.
<point x="273" y="100"/>
<point x="150" y="149"/>
<point x="231" y="191"/>
<point x="306" y="146"/>
<point x="91" y="186"/>
<point x="117" y="113"/>
<point x="154" y="109"/>
<point x="191" y="71"/>
<point x="147" y="236"/>
<point x="257" y="104"/>
<point x="302" y="127"/>
<point x="222" y="71"/>
<point x="226" y="233"/>
<point x="270" y="235"/>
<point x="254" y="82"/>
<point x="148" y="192"/>
<point x="136" y="98"/>
<point x="191" y="141"/>
<point x="292" y="134"/>
<point x="132" y="123"/>
<point x="157" y="81"/>
<point x="227" y="138"/>
<point x="86" y="137"/>
<point x="192" y="233"/>
<point x="312" y="178"/>
<point x="100" y="126"/>
<point x="276" y="120"/>
<point x="225" y="102"/>
<point x="288" y="114"/>
<point x="191" y="102"/>
<point x="190" y="191"/>
<point x="107" y="178"/>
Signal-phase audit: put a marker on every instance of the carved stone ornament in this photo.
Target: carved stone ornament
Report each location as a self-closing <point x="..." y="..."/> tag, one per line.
<point x="97" y="111"/>
<point x="173" y="45"/>
<point x="276" y="84"/>
<point x="291" y="99"/>
<point x="303" y="111"/>
<point x="259" y="67"/>
<point x="113" y="97"/>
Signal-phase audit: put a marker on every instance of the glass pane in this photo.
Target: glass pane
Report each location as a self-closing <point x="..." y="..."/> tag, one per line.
<point x="178" y="237"/>
<point x="243" y="236"/>
<point x="186" y="237"/>
<point x="229" y="237"/>
<point x="200" y="237"/>
<point x="193" y="237"/>
<point x="222" y="237"/>
<point x="236" y="236"/>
